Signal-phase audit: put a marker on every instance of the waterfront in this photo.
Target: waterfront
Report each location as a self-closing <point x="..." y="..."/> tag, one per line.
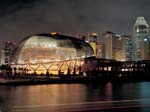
<point x="76" y="97"/>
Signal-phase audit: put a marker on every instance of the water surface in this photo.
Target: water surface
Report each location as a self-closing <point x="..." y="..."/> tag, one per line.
<point x="70" y="97"/>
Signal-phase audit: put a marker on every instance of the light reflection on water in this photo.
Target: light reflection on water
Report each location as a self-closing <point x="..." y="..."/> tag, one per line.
<point x="40" y="95"/>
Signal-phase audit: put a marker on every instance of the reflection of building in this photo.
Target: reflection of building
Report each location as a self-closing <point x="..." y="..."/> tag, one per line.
<point x="9" y="50"/>
<point x="47" y="53"/>
<point x="141" y="49"/>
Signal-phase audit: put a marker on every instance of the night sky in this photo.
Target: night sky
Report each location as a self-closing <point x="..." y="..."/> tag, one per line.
<point x="20" y="18"/>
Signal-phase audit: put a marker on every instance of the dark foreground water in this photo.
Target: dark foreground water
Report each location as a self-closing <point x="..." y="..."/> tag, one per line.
<point x="76" y="97"/>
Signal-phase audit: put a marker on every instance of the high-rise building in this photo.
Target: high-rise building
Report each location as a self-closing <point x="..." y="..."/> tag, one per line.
<point x="118" y="47"/>
<point x="92" y="39"/>
<point x="141" y="41"/>
<point x="9" y="50"/>
<point x="108" y="44"/>
<point x="2" y="57"/>
<point x="115" y="46"/>
<point x="99" y="50"/>
<point x="128" y="47"/>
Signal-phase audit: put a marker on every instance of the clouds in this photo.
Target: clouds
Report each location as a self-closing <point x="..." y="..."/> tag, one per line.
<point x="10" y="6"/>
<point x="20" y="18"/>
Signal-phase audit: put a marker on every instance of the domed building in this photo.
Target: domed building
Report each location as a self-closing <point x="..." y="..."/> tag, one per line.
<point x="51" y="53"/>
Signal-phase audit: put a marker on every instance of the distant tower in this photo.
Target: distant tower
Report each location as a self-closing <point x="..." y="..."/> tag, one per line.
<point x="128" y="47"/>
<point x="99" y="50"/>
<point x="92" y="39"/>
<point x="2" y="56"/>
<point x="119" y="48"/>
<point x="108" y="52"/>
<point x="9" y="50"/>
<point x="115" y="46"/>
<point x="141" y="50"/>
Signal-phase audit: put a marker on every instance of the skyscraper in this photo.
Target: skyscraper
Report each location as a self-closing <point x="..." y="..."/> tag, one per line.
<point x="128" y="47"/>
<point x="108" y="53"/>
<point x="141" y="49"/>
<point x="92" y="39"/>
<point x="9" y="50"/>
<point x="118" y="47"/>
<point x="2" y="57"/>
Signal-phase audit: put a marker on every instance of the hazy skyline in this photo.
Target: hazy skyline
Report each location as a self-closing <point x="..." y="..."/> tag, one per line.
<point x="21" y="18"/>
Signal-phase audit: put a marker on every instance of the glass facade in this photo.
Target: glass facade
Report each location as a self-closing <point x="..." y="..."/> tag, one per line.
<point x="141" y="50"/>
<point x="43" y="53"/>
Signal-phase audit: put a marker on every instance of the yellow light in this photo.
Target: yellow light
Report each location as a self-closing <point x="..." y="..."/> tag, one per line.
<point x="94" y="34"/>
<point x="53" y="33"/>
<point x="93" y="45"/>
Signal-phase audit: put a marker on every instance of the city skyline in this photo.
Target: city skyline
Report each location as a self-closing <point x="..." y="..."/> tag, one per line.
<point x="19" y="19"/>
<point x="74" y="55"/>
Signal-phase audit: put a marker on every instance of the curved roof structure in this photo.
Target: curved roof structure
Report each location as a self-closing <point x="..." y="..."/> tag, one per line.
<point x="45" y="48"/>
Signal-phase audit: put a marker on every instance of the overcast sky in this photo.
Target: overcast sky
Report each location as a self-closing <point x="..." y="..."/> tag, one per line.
<point x="20" y="18"/>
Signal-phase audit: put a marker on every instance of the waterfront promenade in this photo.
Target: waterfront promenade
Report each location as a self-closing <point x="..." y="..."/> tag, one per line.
<point x="34" y="80"/>
<point x="102" y="71"/>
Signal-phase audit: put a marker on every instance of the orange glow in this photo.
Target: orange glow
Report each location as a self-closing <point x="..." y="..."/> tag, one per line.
<point x="54" y="33"/>
<point x="47" y="54"/>
<point x="93" y="45"/>
<point x="94" y="34"/>
<point x="52" y="68"/>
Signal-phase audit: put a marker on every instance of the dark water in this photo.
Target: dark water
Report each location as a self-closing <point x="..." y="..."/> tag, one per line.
<point x="75" y="97"/>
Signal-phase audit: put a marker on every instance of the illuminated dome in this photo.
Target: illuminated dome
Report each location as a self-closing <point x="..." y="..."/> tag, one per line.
<point x="45" y="48"/>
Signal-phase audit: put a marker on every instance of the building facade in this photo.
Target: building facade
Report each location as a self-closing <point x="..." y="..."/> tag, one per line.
<point x="108" y="53"/>
<point x="141" y="40"/>
<point x="92" y="39"/>
<point x="2" y="57"/>
<point x="50" y="54"/>
<point x="128" y="47"/>
<point x="8" y="51"/>
<point x="117" y="47"/>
